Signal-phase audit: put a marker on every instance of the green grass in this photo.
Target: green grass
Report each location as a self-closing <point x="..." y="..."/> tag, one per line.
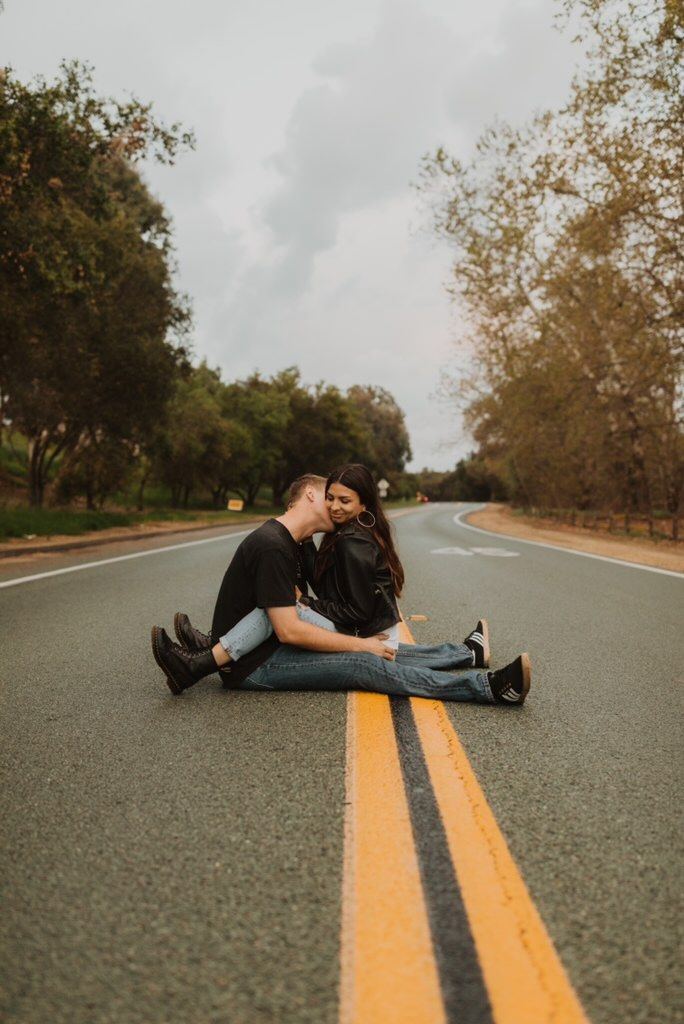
<point x="18" y="522"/>
<point x="24" y="522"/>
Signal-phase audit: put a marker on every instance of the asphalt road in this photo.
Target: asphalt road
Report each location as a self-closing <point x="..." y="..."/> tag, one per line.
<point x="175" y="860"/>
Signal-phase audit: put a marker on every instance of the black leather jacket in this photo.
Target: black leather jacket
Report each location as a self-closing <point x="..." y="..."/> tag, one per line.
<point x="355" y="591"/>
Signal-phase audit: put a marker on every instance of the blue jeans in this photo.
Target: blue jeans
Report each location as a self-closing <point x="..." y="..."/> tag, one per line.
<point x="256" y="627"/>
<point x="291" y="668"/>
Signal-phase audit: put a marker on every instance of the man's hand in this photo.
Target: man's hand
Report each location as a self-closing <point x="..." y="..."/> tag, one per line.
<point x="290" y="629"/>
<point x="374" y="645"/>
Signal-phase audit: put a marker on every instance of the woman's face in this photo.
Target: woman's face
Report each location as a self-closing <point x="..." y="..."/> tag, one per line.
<point x="343" y="503"/>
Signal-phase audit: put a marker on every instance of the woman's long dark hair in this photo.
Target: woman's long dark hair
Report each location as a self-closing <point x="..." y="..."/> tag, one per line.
<point x="359" y="478"/>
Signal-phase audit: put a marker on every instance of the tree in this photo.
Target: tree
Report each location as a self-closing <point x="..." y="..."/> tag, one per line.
<point x="262" y="408"/>
<point x="96" y="468"/>
<point x="324" y="430"/>
<point x="229" y="446"/>
<point x="569" y="237"/>
<point x="90" y="321"/>
<point x="387" y="447"/>
<point x="193" y="444"/>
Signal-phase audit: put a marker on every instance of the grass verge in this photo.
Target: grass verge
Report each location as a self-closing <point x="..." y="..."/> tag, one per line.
<point x="27" y="523"/>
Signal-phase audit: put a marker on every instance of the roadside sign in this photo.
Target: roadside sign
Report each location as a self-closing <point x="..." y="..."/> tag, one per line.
<point x="235" y="505"/>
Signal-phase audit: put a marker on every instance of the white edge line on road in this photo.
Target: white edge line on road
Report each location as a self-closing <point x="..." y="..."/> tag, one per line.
<point x="136" y="554"/>
<point x="554" y="547"/>
<point x="119" y="558"/>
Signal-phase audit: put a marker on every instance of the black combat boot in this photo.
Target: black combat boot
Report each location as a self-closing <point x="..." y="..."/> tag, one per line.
<point x="189" y="637"/>
<point x="182" y="668"/>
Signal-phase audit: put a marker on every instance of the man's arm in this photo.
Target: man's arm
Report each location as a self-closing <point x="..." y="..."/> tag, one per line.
<point x="290" y="629"/>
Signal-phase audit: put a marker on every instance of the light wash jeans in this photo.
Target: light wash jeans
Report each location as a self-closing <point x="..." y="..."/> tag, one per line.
<point x="419" y="670"/>
<point x="256" y="627"/>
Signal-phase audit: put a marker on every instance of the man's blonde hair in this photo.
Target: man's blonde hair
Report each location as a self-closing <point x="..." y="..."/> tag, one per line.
<point x="298" y="486"/>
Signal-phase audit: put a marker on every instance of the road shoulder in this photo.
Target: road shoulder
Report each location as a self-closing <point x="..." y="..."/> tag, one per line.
<point x="659" y="554"/>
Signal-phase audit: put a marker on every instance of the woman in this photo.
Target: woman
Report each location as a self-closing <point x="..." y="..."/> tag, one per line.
<point x="357" y="577"/>
<point x="356" y="573"/>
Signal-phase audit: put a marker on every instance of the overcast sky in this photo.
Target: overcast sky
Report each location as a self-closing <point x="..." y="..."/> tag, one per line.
<point x="299" y="237"/>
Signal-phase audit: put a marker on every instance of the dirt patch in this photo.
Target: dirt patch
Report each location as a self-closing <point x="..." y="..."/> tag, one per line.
<point x="660" y="554"/>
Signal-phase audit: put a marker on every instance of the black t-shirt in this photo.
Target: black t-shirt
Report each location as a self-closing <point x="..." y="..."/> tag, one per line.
<point x="262" y="574"/>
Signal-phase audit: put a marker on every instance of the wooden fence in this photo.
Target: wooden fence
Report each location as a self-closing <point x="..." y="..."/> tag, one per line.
<point x="658" y="526"/>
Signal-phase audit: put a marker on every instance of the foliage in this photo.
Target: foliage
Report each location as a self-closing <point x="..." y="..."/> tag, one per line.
<point x="240" y="436"/>
<point x="323" y="430"/>
<point x="87" y="306"/>
<point x="96" y="468"/>
<point x="94" y="373"/>
<point x="195" y="443"/>
<point x="471" y="480"/>
<point x="387" y="447"/>
<point x="568" y="238"/>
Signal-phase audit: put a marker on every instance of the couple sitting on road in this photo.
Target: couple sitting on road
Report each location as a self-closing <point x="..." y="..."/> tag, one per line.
<point x="269" y="634"/>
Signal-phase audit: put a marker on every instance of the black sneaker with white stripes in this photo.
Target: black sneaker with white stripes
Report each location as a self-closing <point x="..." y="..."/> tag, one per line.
<point x="478" y="642"/>
<point x="510" y="685"/>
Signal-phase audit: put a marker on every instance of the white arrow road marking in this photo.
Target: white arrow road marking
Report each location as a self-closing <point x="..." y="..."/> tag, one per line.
<point x="458" y="519"/>
<point x="501" y="552"/>
<point x="450" y="551"/>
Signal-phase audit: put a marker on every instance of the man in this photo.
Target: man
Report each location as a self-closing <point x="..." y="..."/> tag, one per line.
<point x="264" y="573"/>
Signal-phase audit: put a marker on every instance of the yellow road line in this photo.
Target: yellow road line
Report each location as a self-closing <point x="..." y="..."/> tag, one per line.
<point x="388" y="968"/>
<point x="523" y="974"/>
<point x="388" y="965"/>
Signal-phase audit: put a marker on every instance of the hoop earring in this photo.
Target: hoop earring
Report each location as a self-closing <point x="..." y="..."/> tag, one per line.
<point x="368" y="526"/>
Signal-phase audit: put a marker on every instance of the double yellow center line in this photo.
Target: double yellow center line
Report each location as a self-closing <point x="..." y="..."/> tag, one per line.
<point x="438" y="925"/>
